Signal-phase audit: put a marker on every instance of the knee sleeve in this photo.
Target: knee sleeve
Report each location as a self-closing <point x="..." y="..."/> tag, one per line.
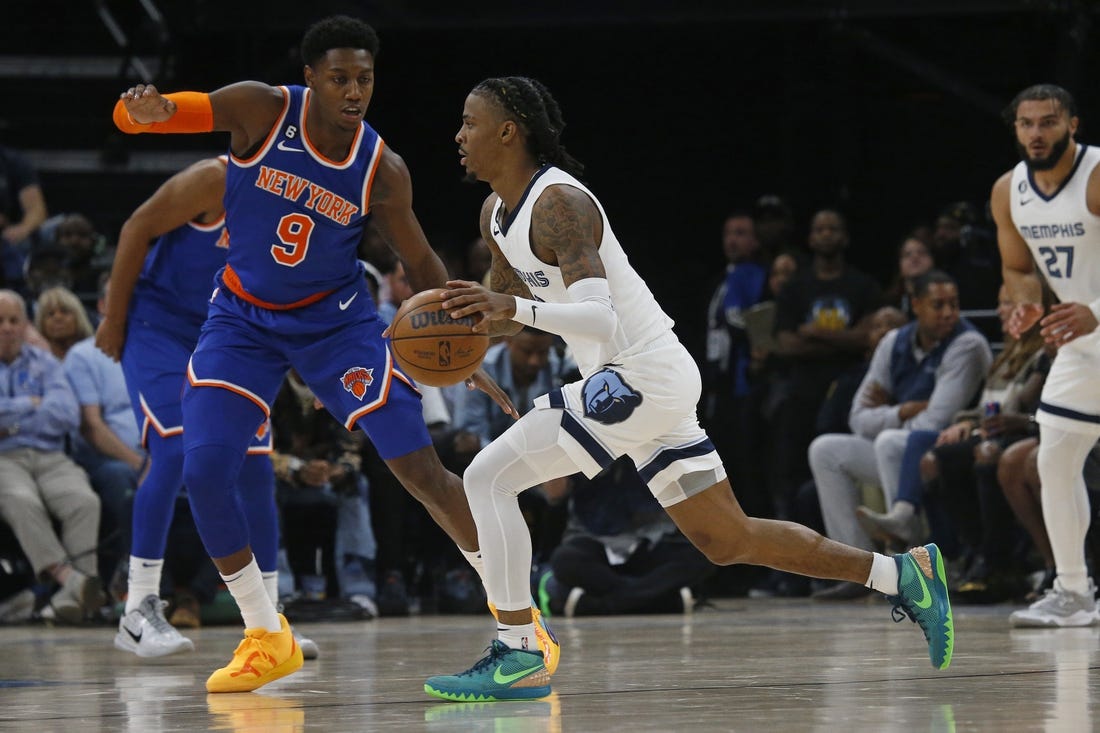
<point x="256" y="485"/>
<point x="155" y="500"/>
<point x="210" y="473"/>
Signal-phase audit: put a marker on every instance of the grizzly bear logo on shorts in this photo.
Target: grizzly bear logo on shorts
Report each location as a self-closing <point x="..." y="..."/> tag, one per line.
<point x="608" y="398"/>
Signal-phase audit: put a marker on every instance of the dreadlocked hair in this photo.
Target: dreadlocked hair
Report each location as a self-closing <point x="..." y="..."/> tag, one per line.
<point x="531" y="106"/>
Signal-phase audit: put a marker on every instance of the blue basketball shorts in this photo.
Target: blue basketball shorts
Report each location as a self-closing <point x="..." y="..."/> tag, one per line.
<point x="335" y="345"/>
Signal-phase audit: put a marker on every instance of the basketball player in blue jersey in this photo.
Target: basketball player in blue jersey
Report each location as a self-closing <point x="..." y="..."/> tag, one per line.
<point x="557" y="266"/>
<point x="1047" y="211"/>
<point x="305" y="171"/>
<point x="168" y="253"/>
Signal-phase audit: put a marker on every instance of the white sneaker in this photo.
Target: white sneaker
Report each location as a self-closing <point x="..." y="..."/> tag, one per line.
<point x="688" y="599"/>
<point x="308" y="646"/>
<point x="145" y="632"/>
<point x="571" y="601"/>
<point x="1060" y="607"/>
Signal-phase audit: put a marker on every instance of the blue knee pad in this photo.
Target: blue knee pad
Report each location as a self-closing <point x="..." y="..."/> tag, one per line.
<point x="256" y="484"/>
<point x="155" y="500"/>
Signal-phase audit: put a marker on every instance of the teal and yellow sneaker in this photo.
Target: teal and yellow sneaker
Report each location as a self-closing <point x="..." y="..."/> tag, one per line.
<point x="503" y="674"/>
<point x="922" y="596"/>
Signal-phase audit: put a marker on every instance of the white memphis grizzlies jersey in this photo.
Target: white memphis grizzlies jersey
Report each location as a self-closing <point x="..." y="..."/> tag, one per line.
<point x="1063" y="235"/>
<point x="641" y="319"/>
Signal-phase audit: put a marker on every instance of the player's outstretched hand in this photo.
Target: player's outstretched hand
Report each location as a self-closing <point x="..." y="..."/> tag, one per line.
<point x="466" y="298"/>
<point x="145" y="104"/>
<point x="1023" y="317"/>
<point x="1066" y="322"/>
<point x="110" y="337"/>
<point x="481" y="380"/>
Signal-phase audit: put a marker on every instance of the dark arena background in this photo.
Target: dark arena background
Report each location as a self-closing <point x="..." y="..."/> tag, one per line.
<point x="680" y="111"/>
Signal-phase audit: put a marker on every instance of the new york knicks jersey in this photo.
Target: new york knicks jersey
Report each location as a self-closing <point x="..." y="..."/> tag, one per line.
<point x="1063" y="235"/>
<point x="640" y="318"/>
<point x="175" y="283"/>
<point x="295" y="217"/>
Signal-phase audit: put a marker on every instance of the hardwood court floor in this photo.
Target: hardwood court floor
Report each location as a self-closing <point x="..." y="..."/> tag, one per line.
<point x="748" y="665"/>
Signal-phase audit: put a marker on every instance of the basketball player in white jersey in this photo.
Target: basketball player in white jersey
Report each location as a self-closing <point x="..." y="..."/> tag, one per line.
<point x="557" y="266"/>
<point x="1047" y="211"/>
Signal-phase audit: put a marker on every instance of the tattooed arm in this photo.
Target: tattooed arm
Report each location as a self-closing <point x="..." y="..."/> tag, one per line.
<point x="502" y="278"/>
<point x="566" y="228"/>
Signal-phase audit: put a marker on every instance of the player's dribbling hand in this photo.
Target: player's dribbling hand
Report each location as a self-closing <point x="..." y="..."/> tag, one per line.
<point x="467" y="298"/>
<point x="145" y="104"/>
<point x="110" y="337"/>
<point x="1022" y="318"/>
<point x="1066" y="322"/>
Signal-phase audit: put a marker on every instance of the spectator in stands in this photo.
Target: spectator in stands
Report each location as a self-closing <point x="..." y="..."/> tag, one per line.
<point x="821" y="329"/>
<point x="775" y="226"/>
<point x="22" y="212"/>
<point x="958" y="472"/>
<point x="920" y="376"/>
<point x="620" y="552"/>
<point x="914" y="259"/>
<point x="323" y="496"/>
<point x="964" y="247"/>
<point x="38" y="482"/>
<point x="87" y="255"/>
<point x="108" y="443"/>
<point x="61" y="319"/>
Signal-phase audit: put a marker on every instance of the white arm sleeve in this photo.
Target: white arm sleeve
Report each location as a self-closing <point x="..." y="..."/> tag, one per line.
<point x="590" y="316"/>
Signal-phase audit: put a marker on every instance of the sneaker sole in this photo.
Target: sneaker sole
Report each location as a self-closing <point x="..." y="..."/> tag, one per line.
<point x="519" y="693"/>
<point x="123" y="642"/>
<point x="1077" y="620"/>
<point x="948" y="621"/>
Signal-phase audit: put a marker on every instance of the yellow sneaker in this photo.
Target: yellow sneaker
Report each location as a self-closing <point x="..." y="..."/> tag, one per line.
<point x="548" y="643"/>
<point x="264" y="656"/>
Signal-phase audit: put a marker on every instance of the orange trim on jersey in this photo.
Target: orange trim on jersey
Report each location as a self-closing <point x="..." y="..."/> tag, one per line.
<point x="371" y="170"/>
<point x="233" y="282"/>
<point x="151" y="420"/>
<point x="259" y="450"/>
<point x="250" y="396"/>
<point x="381" y="400"/>
<point x="275" y="128"/>
<point x="352" y="150"/>
<point x="397" y="373"/>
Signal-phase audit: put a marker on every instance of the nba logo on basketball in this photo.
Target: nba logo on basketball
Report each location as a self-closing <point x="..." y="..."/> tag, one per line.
<point x="356" y="380"/>
<point x="444" y="352"/>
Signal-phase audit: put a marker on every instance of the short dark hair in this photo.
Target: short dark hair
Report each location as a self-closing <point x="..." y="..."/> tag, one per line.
<point x="337" y="31"/>
<point x="921" y="283"/>
<point x="529" y="104"/>
<point x="1039" y="92"/>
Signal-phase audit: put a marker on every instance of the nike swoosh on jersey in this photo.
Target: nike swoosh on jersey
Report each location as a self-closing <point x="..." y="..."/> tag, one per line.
<point x="283" y="146"/>
<point x="345" y="303"/>
<point x="504" y="679"/>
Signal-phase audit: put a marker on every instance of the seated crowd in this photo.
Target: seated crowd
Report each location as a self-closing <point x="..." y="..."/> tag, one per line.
<point x="924" y="429"/>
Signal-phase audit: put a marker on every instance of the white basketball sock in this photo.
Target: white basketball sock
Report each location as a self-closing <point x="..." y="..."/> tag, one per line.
<point x="271" y="585"/>
<point x="884" y="575"/>
<point x="518" y="637"/>
<point x="247" y="587"/>
<point x="143" y="580"/>
<point x="474" y="558"/>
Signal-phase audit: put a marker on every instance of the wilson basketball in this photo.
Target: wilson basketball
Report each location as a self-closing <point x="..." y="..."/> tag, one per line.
<point x="430" y="346"/>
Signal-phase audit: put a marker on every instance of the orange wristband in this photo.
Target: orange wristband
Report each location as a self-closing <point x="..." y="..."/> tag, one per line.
<point x="193" y="114"/>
